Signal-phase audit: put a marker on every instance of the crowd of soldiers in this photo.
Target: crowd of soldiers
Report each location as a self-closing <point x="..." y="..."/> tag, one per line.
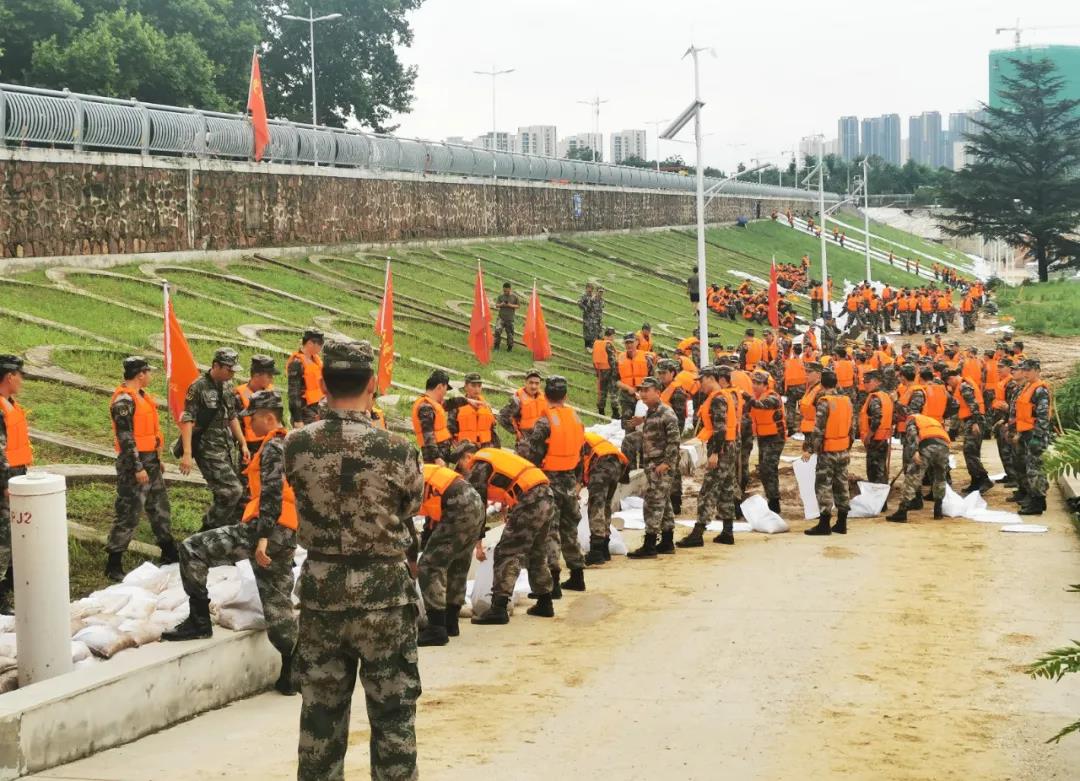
<point x="343" y="487"/>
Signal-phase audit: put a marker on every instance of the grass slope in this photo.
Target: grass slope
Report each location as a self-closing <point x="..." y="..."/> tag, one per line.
<point x="880" y="229"/>
<point x="1051" y="308"/>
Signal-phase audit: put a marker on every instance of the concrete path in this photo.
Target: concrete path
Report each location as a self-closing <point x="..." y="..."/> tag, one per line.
<point x="894" y="652"/>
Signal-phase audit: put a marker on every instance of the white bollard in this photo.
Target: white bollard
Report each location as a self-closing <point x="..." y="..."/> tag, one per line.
<point x="39" y="550"/>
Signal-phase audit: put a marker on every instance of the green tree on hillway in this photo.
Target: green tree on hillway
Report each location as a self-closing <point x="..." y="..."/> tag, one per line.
<point x="1024" y="184"/>
<point x="584" y="153"/>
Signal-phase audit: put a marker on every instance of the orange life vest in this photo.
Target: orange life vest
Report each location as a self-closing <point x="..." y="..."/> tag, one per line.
<point x="378" y="417"/>
<point x="18" y="450"/>
<point x="600" y="354"/>
<point x="966" y="411"/>
<point x="884" y="429"/>
<point x="687" y="344"/>
<point x="930" y="428"/>
<point x="442" y="432"/>
<point x="937" y="398"/>
<point x="244" y="393"/>
<point x="1000" y="387"/>
<point x="755" y="351"/>
<point x="312" y="376"/>
<point x="1025" y="409"/>
<point x="685" y="381"/>
<point x="565" y="440"/>
<point x="731" y="422"/>
<point x="475" y="424"/>
<point x="288" y="517"/>
<point x="838" y="425"/>
<point x="531" y="409"/>
<point x="972" y="371"/>
<point x="794" y="373"/>
<point x="437" y="481"/>
<point x="511" y="475"/>
<point x="740" y="380"/>
<point x="845" y="372"/>
<point x="598" y="447"/>
<point x="808" y="408"/>
<point x="990" y="366"/>
<point x="644" y="342"/>
<point x="633" y="370"/>
<point x="768" y="422"/>
<point x="687" y="364"/>
<point x="144" y="423"/>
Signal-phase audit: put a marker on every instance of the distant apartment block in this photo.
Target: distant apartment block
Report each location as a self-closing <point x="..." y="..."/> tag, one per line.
<point x="848" y="137"/>
<point x="628" y="143"/>
<point x="538" y="140"/>
<point x="593" y="141"/>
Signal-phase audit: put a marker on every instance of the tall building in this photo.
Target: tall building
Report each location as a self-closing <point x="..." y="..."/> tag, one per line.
<point x="870" y="132"/>
<point x="848" y="137"/>
<point x="592" y="141"/>
<point x="504" y="142"/>
<point x="926" y="140"/>
<point x="960" y="123"/>
<point x="538" y="140"/>
<point x="888" y="144"/>
<point x="1065" y="58"/>
<point x="628" y="143"/>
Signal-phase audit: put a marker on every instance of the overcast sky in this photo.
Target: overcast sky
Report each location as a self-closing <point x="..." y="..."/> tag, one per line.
<point x="769" y="85"/>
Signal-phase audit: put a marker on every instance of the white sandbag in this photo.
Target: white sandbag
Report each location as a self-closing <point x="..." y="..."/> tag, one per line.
<point x="104" y="619"/>
<point x="142" y="632"/>
<point x="149" y="577"/>
<point x="805" y="475"/>
<point x="996" y="516"/>
<point x="111" y="599"/>
<point x="223" y="592"/>
<point x="616" y="544"/>
<point x="90" y="661"/>
<point x="632" y="503"/>
<point x="79" y="651"/>
<point x="696" y="455"/>
<point x="172" y="598"/>
<point x="105" y="641"/>
<point x="86" y="606"/>
<point x="9" y="681"/>
<point x="8" y="645"/>
<point x="631" y="519"/>
<point x="761" y="519"/>
<point x="168" y="619"/>
<point x="481" y="590"/>
<point x="8" y="663"/>
<point x="1025" y="528"/>
<point x="7" y="624"/>
<point x="139" y="607"/>
<point x="244" y="611"/>
<point x="583" y="525"/>
<point x="956" y="506"/>
<point x="521" y="589"/>
<point x="871" y="499"/>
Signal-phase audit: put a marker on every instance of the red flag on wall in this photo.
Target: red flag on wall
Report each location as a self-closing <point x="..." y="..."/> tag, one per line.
<point x="480" y="336"/>
<point x="257" y="106"/>
<point x="535" y="335"/>
<point x="774" y="297"/>
<point x="180" y="367"/>
<point x="384" y="329"/>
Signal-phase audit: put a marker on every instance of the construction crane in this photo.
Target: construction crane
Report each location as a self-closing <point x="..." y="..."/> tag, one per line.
<point x="1018" y="29"/>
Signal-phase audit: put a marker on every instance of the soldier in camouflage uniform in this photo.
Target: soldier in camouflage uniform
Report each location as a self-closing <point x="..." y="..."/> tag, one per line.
<point x="606" y="379"/>
<point x="1001" y="405"/>
<point x="659" y="458"/>
<point x="357" y="488"/>
<point x="591" y="315"/>
<point x="973" y="427"/>
<point x="716" y="498"/>
<point x="830" y="335"/>
<point x="1031" y="422"/>
<point x="631" y="445"/>
<point x="267" y="535"/>
<point x="139" y="482"/>
<point x="926" y="447"/>
<point x="832" y="409"/>
<point x="676" y="398"/>
<point x="444" y="568"/>
<point x="601" y="473"/>
<point x="302" y="371"/>
<point x="877" y="450"/>
<point x="13" y="434"/>
<point x="507" y="304"/>
<point x="208" y="419"/>
<point x="767" y="413"/>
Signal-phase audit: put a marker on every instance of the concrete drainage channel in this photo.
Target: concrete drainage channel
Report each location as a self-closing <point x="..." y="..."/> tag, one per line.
<point x="146" y="689"/>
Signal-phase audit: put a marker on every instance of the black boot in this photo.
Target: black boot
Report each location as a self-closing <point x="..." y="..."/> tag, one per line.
<point x="597" y="547"/>
<point x="938" y="512"/>
<point x="284" y="683"/>
<point x="624" y="478"/>
<point x="774" y="505"/>
<point x="985" y="484"/>
<point x="900" y="516"/>
<point x="607" y="548"/>
<point x="1035" y="505"/>
<point x="916" y="503"/>
<point x="667" y="542"/>
<point x="452" y="614"/>
<point x="556" y="587"/>
<point x="543" y="607"/>
<point x="1018" y="496"/>
<point x="169" y="554"/>
<point x="1008" y="482"/>
<point x="496" y="613"/>
<point x="727" y="536"/>
<point x="576" y="581"/>
<point x="822" y="527"/>
<point x="114" y="567"/>
<point x="196" y="626"/>
<point x="840" y="527"/>
<point x="435" y="631"/>
<point x="647" y="549"/>
<point x="694" y="539"/>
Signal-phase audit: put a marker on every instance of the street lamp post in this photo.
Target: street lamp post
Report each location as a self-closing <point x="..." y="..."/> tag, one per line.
<point x="780" y="171"/>
<point x="494" y="74"/>
<point x="596" y="103"/>
<point x="866" y="210"/>
<point x="311" y="19"/>
<point x="826" y="306"/>
<point x="656" y="123"/>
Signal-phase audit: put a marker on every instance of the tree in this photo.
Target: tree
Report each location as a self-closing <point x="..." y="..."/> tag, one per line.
<point x="583" y="153"/>
<point x="1022" y="187"/>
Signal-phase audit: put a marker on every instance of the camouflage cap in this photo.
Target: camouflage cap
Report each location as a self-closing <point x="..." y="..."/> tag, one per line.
<point x="473" y="377"/>
<point x="609" y="331"/>
<point x="1006" y="361"/>
<point x="312" y="335"/>
<point x="650" y="382"/>
<point x="11" y="363"/>
<point x="226" y="356"/>
<point x="873" y="374"/>
<point x="814" y="366"/>
<point x="438" y="377"/>
<point x="555" y="384"/>
<point x="262" y="364"/>
<point x="346" y="354"/>
<point x="723" y="372"/>
<point x="1031" y="363"/>
<point x="668" y="365"/>
<point x="534" y="373"/>
<point x="462" y="448"/>
<point x="646" y="327"/>
<point x="710" y="371"/>
<point x="760" y="378"/>
<point x="136" y="363"/>
<point x="630" y="338"/>
<point x="264" y="399"/>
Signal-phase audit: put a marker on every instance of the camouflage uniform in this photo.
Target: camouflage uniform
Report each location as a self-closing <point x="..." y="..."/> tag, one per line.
<point x="299" y="410"/>
<point x="770" y="448"/>
<point x="592" y="315"/>
<point x="564" y="487"/>
<point x="659" y="445"/>
<point x="934" y="455"/>
<point x="132" y="498"/>
<point x="431" y="449"/>
<point x="525" y="539"/>
<point x="229" y="544"/>
<point x="746" y="446"/>
<point x="510" y="415"/>
<point x="679" y="397"/>
<point x="213" y="448"/>
<point x="1031" y="446"/>
<point x="716" y="499"/>
<point x="357" y="488"/>
<point x="973" y="442"/>
<point x="606" y="388"/>
<point x="505" y="322"/>
<point x="444" y="567"/>
<point x="1005" y="446"/>
<point x="604" y="473"/>
<point x="877" y="450"/>
<point x="831" y="478"/>
<point x="830" y="335"/>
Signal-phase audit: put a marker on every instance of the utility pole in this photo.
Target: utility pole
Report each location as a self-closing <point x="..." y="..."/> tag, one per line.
<point x="866" y="210"/>
<point x="656" y="123"/>
<point x="494" y="74"/>
<point x="311" y="19"/>
<point x="826" y="306"/>
<point x="703" y="308"/>
<point x="596" y="103"/>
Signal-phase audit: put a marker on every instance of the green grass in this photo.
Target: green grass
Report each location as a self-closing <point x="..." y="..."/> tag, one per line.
<point x="91" y="504"/>
<point x="86" y="565"/>
<point x="77" y="413"/>
<point x="48" y="453"/>
<point x="935" y="250"/>
<point x="1051" y="308"/>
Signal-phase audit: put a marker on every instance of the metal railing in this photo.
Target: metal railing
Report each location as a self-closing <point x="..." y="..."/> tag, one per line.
<point x="48" y="118"/>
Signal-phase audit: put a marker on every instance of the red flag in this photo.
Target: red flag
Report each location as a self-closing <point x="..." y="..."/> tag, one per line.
<point x="384" y="329"/>
<point x="180" y="368"/>
<point x="774" y="297"/>
<point x="257" y="106"/>
<point x="535" y="335"/>
<point x="480" y="336"/>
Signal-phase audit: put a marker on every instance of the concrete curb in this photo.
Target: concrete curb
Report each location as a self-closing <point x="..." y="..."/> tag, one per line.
<point x="122" y="699"/>
<point x="1069" y="485"/>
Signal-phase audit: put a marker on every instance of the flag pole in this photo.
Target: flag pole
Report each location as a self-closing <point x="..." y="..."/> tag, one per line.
<point x="166" y="362"/>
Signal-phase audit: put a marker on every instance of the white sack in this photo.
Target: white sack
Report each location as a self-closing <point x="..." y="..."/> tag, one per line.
<point x="142" y="632"/>
<point x="871" y="499"/>
<point x="8" y="645"/>
<point x="172" y="598"/>
<point x="485" y="576"/>
<point x="761" y="519"/>
<point x="244" y="610"/>
<point x="632" y="503"/>
<point x="79" y="651"/>
<point x="149" y="577"/>
<point x="105" y="641"/>
<point x="616" y="543"/>
<point x="805" y="473"/>
<point x="1025" y="528"/>
<point x="631" y="519"/>
<point x="139" y="607"/>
